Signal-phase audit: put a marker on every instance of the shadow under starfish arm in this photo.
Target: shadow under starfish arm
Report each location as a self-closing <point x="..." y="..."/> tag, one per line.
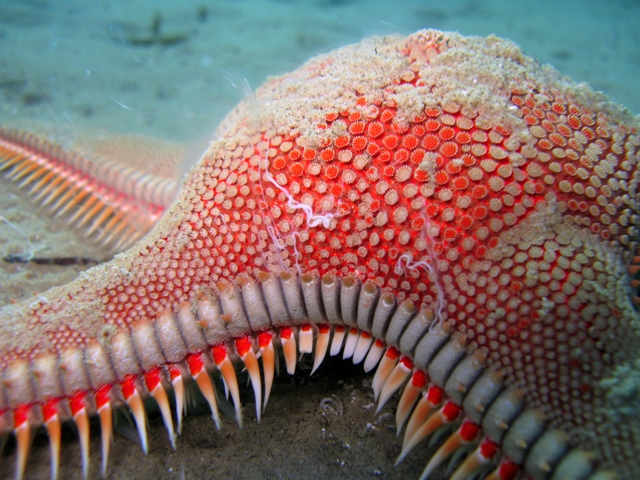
<point x="439" y="208"/>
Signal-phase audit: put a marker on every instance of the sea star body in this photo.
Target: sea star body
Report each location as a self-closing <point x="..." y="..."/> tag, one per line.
<point x="437" y="206"/>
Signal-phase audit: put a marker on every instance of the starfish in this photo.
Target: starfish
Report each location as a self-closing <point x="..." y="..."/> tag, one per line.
<point x="439" y="208"/>
<point x="113" y="188"/>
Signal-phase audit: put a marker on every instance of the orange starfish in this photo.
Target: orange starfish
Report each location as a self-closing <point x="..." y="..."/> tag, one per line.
<point x="114" y="187"/>
<point x="440" y="208"/>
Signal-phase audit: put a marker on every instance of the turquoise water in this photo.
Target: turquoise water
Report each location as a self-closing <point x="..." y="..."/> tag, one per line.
<point x="173" y="69"/>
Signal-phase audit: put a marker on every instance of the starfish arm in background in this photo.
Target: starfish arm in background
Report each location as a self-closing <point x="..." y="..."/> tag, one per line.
<point x="113" y="188"/>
